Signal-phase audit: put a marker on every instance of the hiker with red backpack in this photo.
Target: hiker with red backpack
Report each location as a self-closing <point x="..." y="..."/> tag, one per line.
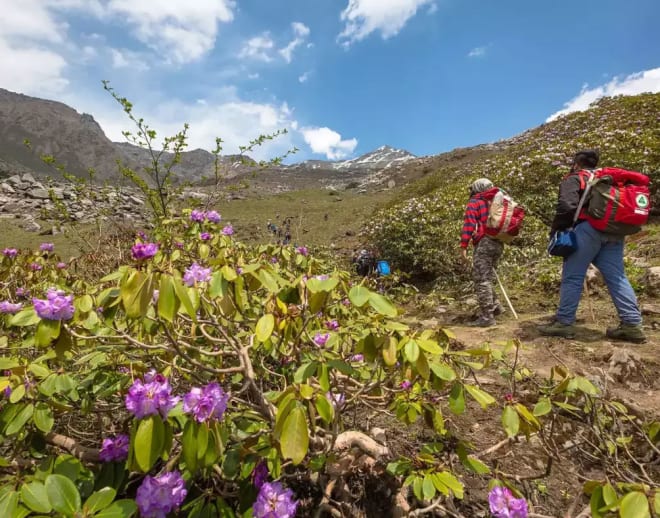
<point x="596" y="209"/>
<point x="491" y="219"/>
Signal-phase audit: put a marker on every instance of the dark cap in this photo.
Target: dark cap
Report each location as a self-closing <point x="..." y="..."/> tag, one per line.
<point x="587" y="158"/>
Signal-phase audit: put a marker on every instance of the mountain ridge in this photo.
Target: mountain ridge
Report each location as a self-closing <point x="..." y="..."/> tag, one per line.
<point x="77" y="141"/>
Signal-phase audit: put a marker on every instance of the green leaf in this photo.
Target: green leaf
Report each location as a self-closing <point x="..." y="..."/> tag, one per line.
<point x="586" y="386"/>
<point x="8" y="363"/>
<point x="133" y="296"/>
<point x="39" y="370"/>
<point x="268" y="281"/>
<point x="480" y="396"/>
<point x="168" y="304"/>
<point x="359" y="295"/>
<point x="389" y="351"/>
<point x="318" y="285"/>
<point x="527" y="415"/>
<point x="17" y="394"/>
<point x="84" y="303"/>
<point x="457" y="399"/>
<point x="542" y="407"/>
<point x="189" y="445"/>
<point x="294" y="440"/>
<point x="428" y="488"/>
<point x="411" y="350"/>
<point x="119" y="509"/>
<point x="218" y="286"/>
<point x="184" y="298"/>
<point x="43" y="417"/>
<point x="34" y="496"/>
<point x="449" y="480"/>
<point x="323" y="376"/>
<point x="149" y="442"/>
<point x="510" y="421"/>
<point x="22" y="417"/>
<point x="596" y="502"/>
<point x="634" y="505"/>
<point x="47" y="331"/>
<point x="609" y="495"/>
<point x="381" y="305"/>
<point x="100" y="500"/>
<point x="9" y="504"/>
<point x="430" y="346"/>
<point x="656" y="502"/>
<point x="443" y="371"/>
<point x="62" y="494"/>
<point x="27" y="317"/>
<point x="265" y="327"/>
<point x="304" y="372"/>
<point x="325" y="408"/>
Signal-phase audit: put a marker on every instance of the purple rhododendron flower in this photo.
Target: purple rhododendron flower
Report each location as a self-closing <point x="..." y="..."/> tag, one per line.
<point x="302" y="250"/>
<point x="141" y="251"/>
<point x="10" y="252"/>
<point x="198" y="216"/>
<point x="213" y="217"/>
<point x="260" y="475"/>
<point x="346" y="302"/>
<point x="61" y="266"/>
<point x="195" y="273"/>
<point x="205" y="236"/>
<point x="323" y="277"/>
<point x="154" y="296"/>
<point x="10" y="308"/>
<point x="36" y="267"/>
<point x="273" y="260"/>
<point x="7" y="392"/>
<point x="406" y="384"/>
<point x="273" y="501"/>
<point x="332" y="325"/>
<point x="178" y="244"/>
<point x="22" y="292"/>
<point x="114" y="450"/>
<point x="160" y="495"/>
<point x="504" y="505"/>
<point x="46" y="247"/>
<point x="321" y="339"/>
<point x="142" y="235"/>
<point x="357" y="358"/>
<point x="154" y="396"/>
<point x="228" y="230"/>
<point x="206" y="404"/>
<point x="57" y="306"/>
<point x="337" y="400"/>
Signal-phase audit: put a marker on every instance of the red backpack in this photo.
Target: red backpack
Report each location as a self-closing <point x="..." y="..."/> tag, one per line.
<point x="614" y="201"/>
<point x="505" y="216"/>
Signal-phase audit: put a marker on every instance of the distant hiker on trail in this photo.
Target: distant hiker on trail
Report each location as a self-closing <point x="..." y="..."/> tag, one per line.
<point x="487" y="252"/>
<point x="602" y="248"/>
<point x="364" y="262"/>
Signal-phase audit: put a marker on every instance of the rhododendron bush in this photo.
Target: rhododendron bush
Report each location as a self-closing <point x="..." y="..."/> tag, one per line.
<point x="206" y="378"/>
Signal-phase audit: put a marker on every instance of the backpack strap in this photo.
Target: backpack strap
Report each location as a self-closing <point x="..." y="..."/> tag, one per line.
<point x="585" y="187"/>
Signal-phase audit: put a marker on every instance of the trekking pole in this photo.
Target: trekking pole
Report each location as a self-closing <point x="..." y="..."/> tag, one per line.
<point x="506" y="297"/>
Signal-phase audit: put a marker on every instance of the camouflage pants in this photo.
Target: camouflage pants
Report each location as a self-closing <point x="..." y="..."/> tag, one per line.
<point x="486" y="255"/>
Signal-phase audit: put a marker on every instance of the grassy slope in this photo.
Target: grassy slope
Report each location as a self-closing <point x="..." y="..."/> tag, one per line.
<point x="419" y="231"/>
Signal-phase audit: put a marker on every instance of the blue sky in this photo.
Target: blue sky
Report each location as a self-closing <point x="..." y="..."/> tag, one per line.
<point x="342" y="76"/>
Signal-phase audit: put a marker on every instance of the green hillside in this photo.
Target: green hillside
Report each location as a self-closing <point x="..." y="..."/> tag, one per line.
<point x="419" y="230"/>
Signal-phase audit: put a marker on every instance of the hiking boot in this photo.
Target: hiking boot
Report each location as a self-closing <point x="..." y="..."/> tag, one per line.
<point x="627" y="332"/>
<point x="498" y="310"/>
<point x="482" y="322"/>
<point x="558" y="329"/>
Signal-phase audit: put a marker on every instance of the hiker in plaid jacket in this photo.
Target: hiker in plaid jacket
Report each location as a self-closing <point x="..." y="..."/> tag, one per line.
<point x="487" y="253"/>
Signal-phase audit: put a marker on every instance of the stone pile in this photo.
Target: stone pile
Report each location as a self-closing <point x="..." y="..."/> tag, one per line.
<point x="28" y="199"/>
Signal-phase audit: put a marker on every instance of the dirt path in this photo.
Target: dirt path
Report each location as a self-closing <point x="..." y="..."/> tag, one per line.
<point x="628" y="372"/>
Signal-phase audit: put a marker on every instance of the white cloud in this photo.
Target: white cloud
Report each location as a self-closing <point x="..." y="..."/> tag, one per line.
<point x="29" y="58"/>
<point x="477" y="52"/>
<point x="328" y="142"/>
<point x="180" y="30"/>
<point x="253" y="76"/>
<point x="301" y="32"/>
<point x="362" y="17"/>
<point x="258" y="48"/>
<point x="124" y="58"/>
<point x="304" y="77"/>
<point x="32" y="71"/>
<point x="640" y="82"/>
<point x="225" y="115"/>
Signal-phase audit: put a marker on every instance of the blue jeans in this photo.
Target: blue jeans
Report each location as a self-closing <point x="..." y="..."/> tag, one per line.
<point x="605" y="251"/>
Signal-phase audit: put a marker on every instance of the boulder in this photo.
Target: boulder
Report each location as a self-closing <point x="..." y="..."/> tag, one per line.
<point x="28" y="178"/>
<point x="39" y="193"/>
<point x="5" y="187"/>
<point x="652" y="281"/>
